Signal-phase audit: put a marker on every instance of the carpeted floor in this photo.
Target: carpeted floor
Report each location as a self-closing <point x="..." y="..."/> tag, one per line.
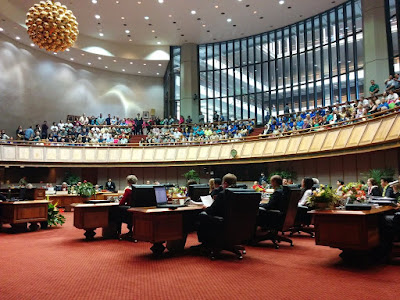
<point x="58" y="264"/>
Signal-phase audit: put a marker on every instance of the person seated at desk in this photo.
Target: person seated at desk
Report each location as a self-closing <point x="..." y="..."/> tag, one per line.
<point x="22" y="182"/>
<point x="110" y="186"/>
<point x="340" y="186"/>
<point x="373" y="189"/>
<point x="306" y="184"/>
<point x="212" y="218"/>
<point x="125" y="204"/>
<point x="218" y="188"/>
<point x="390" y="227"/>
<point x="387" y="190"/>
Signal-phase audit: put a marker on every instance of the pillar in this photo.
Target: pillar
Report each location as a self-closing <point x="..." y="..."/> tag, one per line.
<point x="376" y="54"/>
<point x="190" y="103"/>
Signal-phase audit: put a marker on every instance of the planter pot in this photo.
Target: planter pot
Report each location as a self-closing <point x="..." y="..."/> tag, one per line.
<point x="322" y="206"/>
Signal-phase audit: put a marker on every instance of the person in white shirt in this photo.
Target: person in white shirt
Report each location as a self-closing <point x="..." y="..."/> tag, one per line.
<point x="84" y="120"/>
<point x="392" y="96"/>
<point x="306" y="185"/>
<point x="60" y="124"/>
<point x="123" y="139"/>
<point x="54" y="128"/>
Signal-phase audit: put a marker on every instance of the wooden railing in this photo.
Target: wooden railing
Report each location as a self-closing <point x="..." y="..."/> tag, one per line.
<point x="375" y="133"/>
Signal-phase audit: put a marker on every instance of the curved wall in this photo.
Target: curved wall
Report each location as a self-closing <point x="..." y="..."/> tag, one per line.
<point x="36" y="87"/>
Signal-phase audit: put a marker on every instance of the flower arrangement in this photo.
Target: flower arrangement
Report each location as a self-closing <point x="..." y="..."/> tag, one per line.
<point x="323" y="198"/>
<point x="177" y="192"/>
<point x="258" y="188"/>
<point x="54" y="216"/>
<point x="86" y="189"/>
<point x="355" y="192"/>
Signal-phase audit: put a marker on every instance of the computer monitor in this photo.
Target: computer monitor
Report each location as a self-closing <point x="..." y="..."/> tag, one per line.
<point x="143" y="196"/>
<point x="241" y="186"/>
<point x="197" y="190"/>
<point x="161" y="195"/>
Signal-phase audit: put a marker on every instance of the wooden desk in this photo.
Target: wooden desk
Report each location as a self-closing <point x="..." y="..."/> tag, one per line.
<point x="30" y="194"/>
<point x="159" y="225"/>
<point x="354" y="232"/>
<point x="66" y="200"/>
<point x="19" y="213"/>
<point x="91" y="216"/>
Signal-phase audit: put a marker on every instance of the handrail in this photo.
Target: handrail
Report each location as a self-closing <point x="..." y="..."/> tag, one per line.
<point x="385" y="113"/>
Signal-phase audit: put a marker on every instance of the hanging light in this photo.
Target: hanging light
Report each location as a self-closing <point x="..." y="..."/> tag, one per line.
<point x="52" y="26"/>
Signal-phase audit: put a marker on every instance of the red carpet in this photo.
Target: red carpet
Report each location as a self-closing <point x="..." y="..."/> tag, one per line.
<point x="58" y="264"/>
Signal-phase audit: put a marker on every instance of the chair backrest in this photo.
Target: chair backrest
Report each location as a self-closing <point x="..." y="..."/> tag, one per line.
<point x="241" y="215"/>
<point x="294" y="196"/>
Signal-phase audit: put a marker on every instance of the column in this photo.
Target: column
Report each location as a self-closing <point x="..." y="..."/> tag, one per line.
<point x="190" y="103"/>
<point x="376" y="60"/>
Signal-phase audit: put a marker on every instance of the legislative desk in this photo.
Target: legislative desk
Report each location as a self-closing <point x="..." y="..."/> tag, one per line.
<point x="91" y="216"/>
<point x="354" y="232"/>
<point x="30" y="194"/>
<point x="19" y="213"/>
<point x="159" y="225"/>
<point x="66" y="200"/>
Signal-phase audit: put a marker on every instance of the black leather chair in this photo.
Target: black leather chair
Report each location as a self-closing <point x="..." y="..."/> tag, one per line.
<point x="231" y="232"/>
<point x="303" y="222"/>
<point x="278" y="220"/>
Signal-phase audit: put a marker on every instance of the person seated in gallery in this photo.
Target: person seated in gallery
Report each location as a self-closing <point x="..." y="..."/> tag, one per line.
<point x="373" y="189"/>
<point x="218" y="188"/>
<point x="125" y="204"/>
<point x="110" y="186"/>
<point x="211" y="219"/>
<point x="387" y="190"/>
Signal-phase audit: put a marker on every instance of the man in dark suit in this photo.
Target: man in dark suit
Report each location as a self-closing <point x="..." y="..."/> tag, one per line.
<point x="262" y="178"/>
<point x="218" y="188"/>
<point x="212" y="218"/>
<point x="387" y="190"/>
<point x="110" y="186"/>
<point x="277" y="202"/>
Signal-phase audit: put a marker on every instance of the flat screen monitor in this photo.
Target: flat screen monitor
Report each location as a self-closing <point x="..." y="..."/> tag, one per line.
<point x="197" y="190"/>
<point x="161" y="194"/>
<point x="143" y="196"/>
<point x="241" y="186"/>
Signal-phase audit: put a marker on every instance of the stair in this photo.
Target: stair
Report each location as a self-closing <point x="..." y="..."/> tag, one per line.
<point x="135" y="139"/>
<point x="257" y="131"/>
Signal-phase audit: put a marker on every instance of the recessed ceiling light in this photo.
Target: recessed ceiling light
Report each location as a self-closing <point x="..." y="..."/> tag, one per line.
<point x="71" y="58"/>
<point x="160" y="1"/>
<point x="139" y="72"/>
<point x="229" y="20"/>
<point x="117" y="2"/>
<point x="146" y="18"/>
<point x="123" y="70"/>
<point x="89" y="63"/>
<point x="144" y="64"/>
<point x="122" y="18"/>
<point x="254" y="12"/>
<point x="216" y="6"/>
<point x="127" y="31"/>
<point x="204" y="25"/>
<point x="55" y="53"/>
<point x="131" y="62"/>
<point x="193" y="12"/>
<point x="106" y="67"/>
<point x="158" y="43"/>
<point x="99" y="58"/>
<point x="97" y="17"/>
<point x="83" y="54"/>
<point x="158" y="73"/>
<point x="67" y="50"/>
<point x="1" y="29"/>
<point x="101" y="34"/>
<point x="17" y="37"/>
<point x="139" y="2"/>
<point x="159" y="65"/>
<point x="32" y="44"/>
<point x="130" y="40"/>
<point x="281" y="2"/>
<point x="94" y="1"/>
<point x="170" y="16"/>
<point x="114" y="60"/>
<point x="153" y="30"/>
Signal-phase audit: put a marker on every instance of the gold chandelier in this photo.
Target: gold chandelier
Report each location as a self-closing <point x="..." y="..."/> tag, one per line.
<point x="52" y="26"/>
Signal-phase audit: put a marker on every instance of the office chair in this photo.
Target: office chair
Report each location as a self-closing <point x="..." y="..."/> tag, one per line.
<point x="303" y="222"/>
<point x="275" y="221"/>
<point x="231" y="232"/>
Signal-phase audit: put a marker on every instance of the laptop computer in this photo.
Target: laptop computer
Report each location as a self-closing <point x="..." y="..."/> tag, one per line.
<point x="161" y="198"/>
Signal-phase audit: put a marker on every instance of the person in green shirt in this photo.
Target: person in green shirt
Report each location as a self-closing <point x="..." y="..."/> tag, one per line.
<point x="22" y="181"/>
<point x="374" y="88"/>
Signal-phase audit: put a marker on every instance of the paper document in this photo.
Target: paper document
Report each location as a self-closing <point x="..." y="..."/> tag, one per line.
<point x="207" y="200"/>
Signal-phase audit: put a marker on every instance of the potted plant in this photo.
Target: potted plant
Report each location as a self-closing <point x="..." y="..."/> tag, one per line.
<point x="192" y="175"/>
<point x="54" y="216"/>
<point x="86" y="189"/>
<point x="323" y="199"/>
<point x="355" y="192"/>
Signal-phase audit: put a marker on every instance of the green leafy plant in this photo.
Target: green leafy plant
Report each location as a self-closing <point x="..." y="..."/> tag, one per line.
<point x="284" y="174"/>
<point x="377" y="174"/>
<point x="192" y="175"/>
<point x="86" y="189"/>
<point x="71" y="179"/>
<point x="54" y="217"/>
<point x="325" y="197"/>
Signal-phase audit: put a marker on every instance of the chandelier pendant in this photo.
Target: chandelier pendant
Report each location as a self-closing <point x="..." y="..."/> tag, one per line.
<point x="52" y="26"/>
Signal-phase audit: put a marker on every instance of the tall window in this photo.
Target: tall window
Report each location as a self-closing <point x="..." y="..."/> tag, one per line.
<point x="392" y="15"/>
<point x="312" y="63"/>
<point x="172" y="84"/>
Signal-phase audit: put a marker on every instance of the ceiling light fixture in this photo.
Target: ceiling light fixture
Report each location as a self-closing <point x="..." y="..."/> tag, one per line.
<point x="71" y="58"/>
<point x="1" y="29"/>
<point x="17" y="37"/>
<point x="229" y="20"/>
<point x="193" y="12"/>
<point x="52" y="26"/>
<point x="101" y="34"/>
<point x="146" y="18"/>
<point x="161" y="1"/>
<point x="94" y="1"/>
<point x="281" y="2"/>
<point x="97" y="17"/>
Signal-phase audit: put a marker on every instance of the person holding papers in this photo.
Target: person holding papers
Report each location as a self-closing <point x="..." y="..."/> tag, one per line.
<point x="218" y="188"/>
<point x="213" y="216"/>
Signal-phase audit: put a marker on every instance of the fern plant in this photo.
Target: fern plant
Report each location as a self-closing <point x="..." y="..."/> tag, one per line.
<point x="54" y="217"/>
<point x="377" y="174"/>
<point x="192" y="175"/>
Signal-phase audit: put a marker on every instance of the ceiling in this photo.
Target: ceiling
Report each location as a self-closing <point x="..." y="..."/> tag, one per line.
<point x="137" y="34"/>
